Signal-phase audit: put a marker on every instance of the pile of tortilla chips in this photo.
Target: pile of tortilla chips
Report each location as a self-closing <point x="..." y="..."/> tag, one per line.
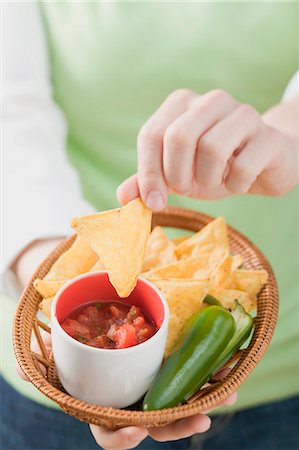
<point x="199" y="265"/>
<point x="185" y="269"/>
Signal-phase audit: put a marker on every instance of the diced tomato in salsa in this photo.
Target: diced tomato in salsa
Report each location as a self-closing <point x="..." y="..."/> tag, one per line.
<point x="139" y="322"/>
<point x="125" y="336"/>
<point x="116" y="312"/>
<point x="112" y="325"/>
<point x="76" y="330"/>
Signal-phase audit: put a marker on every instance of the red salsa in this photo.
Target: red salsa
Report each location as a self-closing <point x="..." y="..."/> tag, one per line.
<point x="109" y="325"/>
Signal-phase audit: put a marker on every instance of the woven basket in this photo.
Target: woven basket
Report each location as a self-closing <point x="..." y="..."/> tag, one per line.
<point x="27" y="323"/>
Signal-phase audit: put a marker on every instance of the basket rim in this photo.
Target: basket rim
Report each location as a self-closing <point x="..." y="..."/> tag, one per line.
<point x="220" y="391"/>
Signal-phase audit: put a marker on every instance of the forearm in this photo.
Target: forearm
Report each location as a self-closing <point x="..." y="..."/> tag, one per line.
<point x="42" y="191"/>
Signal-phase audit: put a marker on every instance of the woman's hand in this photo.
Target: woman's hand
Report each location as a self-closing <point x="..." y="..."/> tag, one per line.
<point x="211" y="146"/>
<point x="130" y="437"/>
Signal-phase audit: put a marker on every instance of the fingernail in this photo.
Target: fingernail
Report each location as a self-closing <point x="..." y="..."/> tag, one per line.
<point x="119" y="188"/>
<point x="154" y="200"/>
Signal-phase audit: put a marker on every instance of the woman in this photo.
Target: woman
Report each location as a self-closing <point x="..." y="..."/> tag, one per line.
<point x="86" y="77"/>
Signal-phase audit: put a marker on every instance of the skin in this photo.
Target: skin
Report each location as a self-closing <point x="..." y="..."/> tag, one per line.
<point x="208" y="147"/>
<point x="130" y="437"/>
<point x="211" y="146"/>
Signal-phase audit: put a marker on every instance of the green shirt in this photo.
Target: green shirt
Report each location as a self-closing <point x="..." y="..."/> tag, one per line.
<point x="114" y="63"/>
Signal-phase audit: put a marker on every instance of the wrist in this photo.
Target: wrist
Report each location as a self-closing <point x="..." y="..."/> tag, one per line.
<point x="284" y="119"/>
<point x="281" y="175"/>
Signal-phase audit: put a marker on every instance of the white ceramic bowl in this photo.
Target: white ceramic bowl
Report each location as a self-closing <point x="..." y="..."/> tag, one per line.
<point x="107" y="377"/>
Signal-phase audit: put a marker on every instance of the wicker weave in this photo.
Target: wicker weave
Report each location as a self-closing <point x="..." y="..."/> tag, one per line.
<point x="26" y="323"/>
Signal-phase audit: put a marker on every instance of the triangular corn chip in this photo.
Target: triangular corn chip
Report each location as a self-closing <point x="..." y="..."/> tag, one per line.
<point x="119" y="237"/>
<point x="228" y="296"/>
<point x="159" y="250"/>
<point x="178" y="240"/>
<point x="250" y="281"/>
<point x="97" y="266"/>
<point x="200" y="267"/>
<point x="45" y="306"/>
<point x="213" y="235"/>
<point x="237" y="261"/>
<point x="184" y="299"/>
<point x="48" y="288"/>
<point x="223" y="272"/>
<point x="79" y="258"/>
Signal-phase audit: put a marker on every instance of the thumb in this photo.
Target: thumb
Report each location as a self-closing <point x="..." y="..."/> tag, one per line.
<point x="128" y="190"/>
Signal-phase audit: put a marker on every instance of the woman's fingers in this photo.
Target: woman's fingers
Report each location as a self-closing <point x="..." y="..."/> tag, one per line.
<point x="152" y="186"/>
<point x="231" y="400"/>
<point x="252" y="161"/>
<point x="167" y="144"/>
<point x="182" y="428"/>
<point x="221" y="142"/>
<point x="35" y="347"/>
<point x="222" y="373"/>
<point x="128" y="190"/>
<point x="130" y="437"/>
<point x="21" y="373"/>
<point x="181" y="137"/>
<point x="124" y="438"/>
<point x="205" y="147"/>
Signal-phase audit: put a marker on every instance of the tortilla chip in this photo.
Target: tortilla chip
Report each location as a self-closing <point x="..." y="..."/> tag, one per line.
<point x="200" y="267"/>
<point x="48" y="288"/>
<point x="223" y="272"/>
<point x="237" y="262"/>
<point x="184" y="299"/>
<point x="159" y="250"/>
<point x="79" y="258"/>
<point x="97" y="266"/>
<point x="210" y="237"/>
<point x="228" y="296"/>
<point x="45" y="306"/>
<point x="179" y="240"/>
<point x="250" y="281"/>
<point x="119" y="237"/>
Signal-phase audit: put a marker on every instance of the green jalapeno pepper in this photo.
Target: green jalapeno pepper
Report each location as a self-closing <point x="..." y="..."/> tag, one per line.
<point x="244" y="325"/>
<point x="193" y="359"/>
<point x="211" y="300"/>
